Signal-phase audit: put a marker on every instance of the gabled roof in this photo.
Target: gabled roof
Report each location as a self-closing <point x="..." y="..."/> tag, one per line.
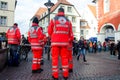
<point x="58" y="3"/>
<point x="93" y="9"/>
<point x="42" y="10"/>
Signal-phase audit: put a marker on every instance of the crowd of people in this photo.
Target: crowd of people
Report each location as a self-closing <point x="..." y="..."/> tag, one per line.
<point x="97" y="47"/>
<point x="60" y="42"/>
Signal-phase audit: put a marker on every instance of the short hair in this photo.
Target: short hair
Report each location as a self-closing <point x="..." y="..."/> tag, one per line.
<point x="60" y="9"/>
<point x="15" y="24"/>
<point x="35" y="20"/>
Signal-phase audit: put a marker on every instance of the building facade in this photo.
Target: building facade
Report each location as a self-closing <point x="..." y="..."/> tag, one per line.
<point x="84" y="29"/>
<point x="70" y="12"/>
<point x="108" y="15"/>
<point x="89" y="15"/>
<point x="7" y="8"/>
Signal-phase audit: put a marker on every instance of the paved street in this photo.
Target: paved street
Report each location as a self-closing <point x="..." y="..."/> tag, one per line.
<point x="100" y="66"/>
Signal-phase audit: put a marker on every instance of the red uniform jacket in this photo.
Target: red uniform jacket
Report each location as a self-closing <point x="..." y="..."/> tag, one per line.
<point x="35" y="37"/>
<point x="60" y="30"/>
<point x="13" y="35"/>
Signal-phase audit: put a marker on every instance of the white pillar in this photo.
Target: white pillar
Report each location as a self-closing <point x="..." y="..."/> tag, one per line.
<point x="117" y="36"/>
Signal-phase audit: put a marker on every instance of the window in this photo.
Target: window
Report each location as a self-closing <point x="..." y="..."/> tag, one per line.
<point x="3" y="5"/>
<point x="73" y="19"/>
<point x="74" y="29"/>
<point x="3" y="21"/>
<point x="69" y="9"/>
<point x="81" y="32"/>
<point x="83" y="23"/>
<point x="106" y="6"/>
<point x="91" y="21"/>
<point x="43" y="21"/>
<point x="87" y="32"/>
<point x="63" y="7"/>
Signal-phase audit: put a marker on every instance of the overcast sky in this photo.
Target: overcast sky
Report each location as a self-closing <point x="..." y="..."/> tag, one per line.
<point x="25" y="10"/>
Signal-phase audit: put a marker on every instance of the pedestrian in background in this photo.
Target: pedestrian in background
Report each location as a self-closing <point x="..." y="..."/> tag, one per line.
<point x="23" y="40"/>
<point x="104" y="45"/>
<point x="99" y="46"/>
<point x="82" y="50"/>
<point x="118" y="49"/>
<point x="75" y="47"/>
<point x="35" y="37"/>
<point x="60" y="32"/>
<point x="90" y="47"/>
<point x="14" y="37"/>
<point x="94" y="47"/>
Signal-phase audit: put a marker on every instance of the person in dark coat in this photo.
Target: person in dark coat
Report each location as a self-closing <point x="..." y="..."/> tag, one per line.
<point x="75" y="47"/>
<point x="82" y="49"/>
<point x="118" y="49"/>
<point x="112" y="48"/>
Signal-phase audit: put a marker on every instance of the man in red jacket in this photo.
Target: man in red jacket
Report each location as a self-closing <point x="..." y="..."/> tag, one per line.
<point x="35" y="37"/>
<point x="44" y="42"/>
<point x="60" y="32"/>
<point x="14" y="36"/>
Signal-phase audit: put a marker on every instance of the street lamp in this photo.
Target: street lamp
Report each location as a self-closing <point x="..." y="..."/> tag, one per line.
<point x="49" y="4"/>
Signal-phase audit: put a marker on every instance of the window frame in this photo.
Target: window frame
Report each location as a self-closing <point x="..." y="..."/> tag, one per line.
<point x="3" y="20"/>
<point x="81" y="32"/>
<point x="74" y="19"/>
<point x="3" y="5"/>
<point x="106" y="6"/>
<point x="69" y="9"/>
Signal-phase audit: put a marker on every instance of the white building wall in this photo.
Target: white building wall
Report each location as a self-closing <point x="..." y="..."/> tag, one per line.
<point x="9" y="13"/>
<point x="117" y="36"/>
<point x="92" y="22"/>
<point x="101" y="37"/>
<point x="77" y="33"/>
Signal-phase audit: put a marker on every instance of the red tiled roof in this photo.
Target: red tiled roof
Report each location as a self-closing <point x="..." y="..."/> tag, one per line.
<point x="93" y="9"/>
<point x="40" y="11"/>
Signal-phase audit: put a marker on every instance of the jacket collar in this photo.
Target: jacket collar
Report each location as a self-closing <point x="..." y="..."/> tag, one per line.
<point x="61" y="14"/>
<point x="34" y="24"/>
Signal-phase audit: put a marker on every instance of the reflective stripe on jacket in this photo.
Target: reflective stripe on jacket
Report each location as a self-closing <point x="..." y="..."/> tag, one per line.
<point x="60" y="30"/>
<point x="13" y="35"/>
<point x="35" y="37"/>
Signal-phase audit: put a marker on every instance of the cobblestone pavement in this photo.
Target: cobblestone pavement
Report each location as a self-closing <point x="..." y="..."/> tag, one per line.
<point x="100" y="66"/>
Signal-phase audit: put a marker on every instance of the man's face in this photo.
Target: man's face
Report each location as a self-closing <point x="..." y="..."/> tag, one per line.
<point x="15" y="25"/>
